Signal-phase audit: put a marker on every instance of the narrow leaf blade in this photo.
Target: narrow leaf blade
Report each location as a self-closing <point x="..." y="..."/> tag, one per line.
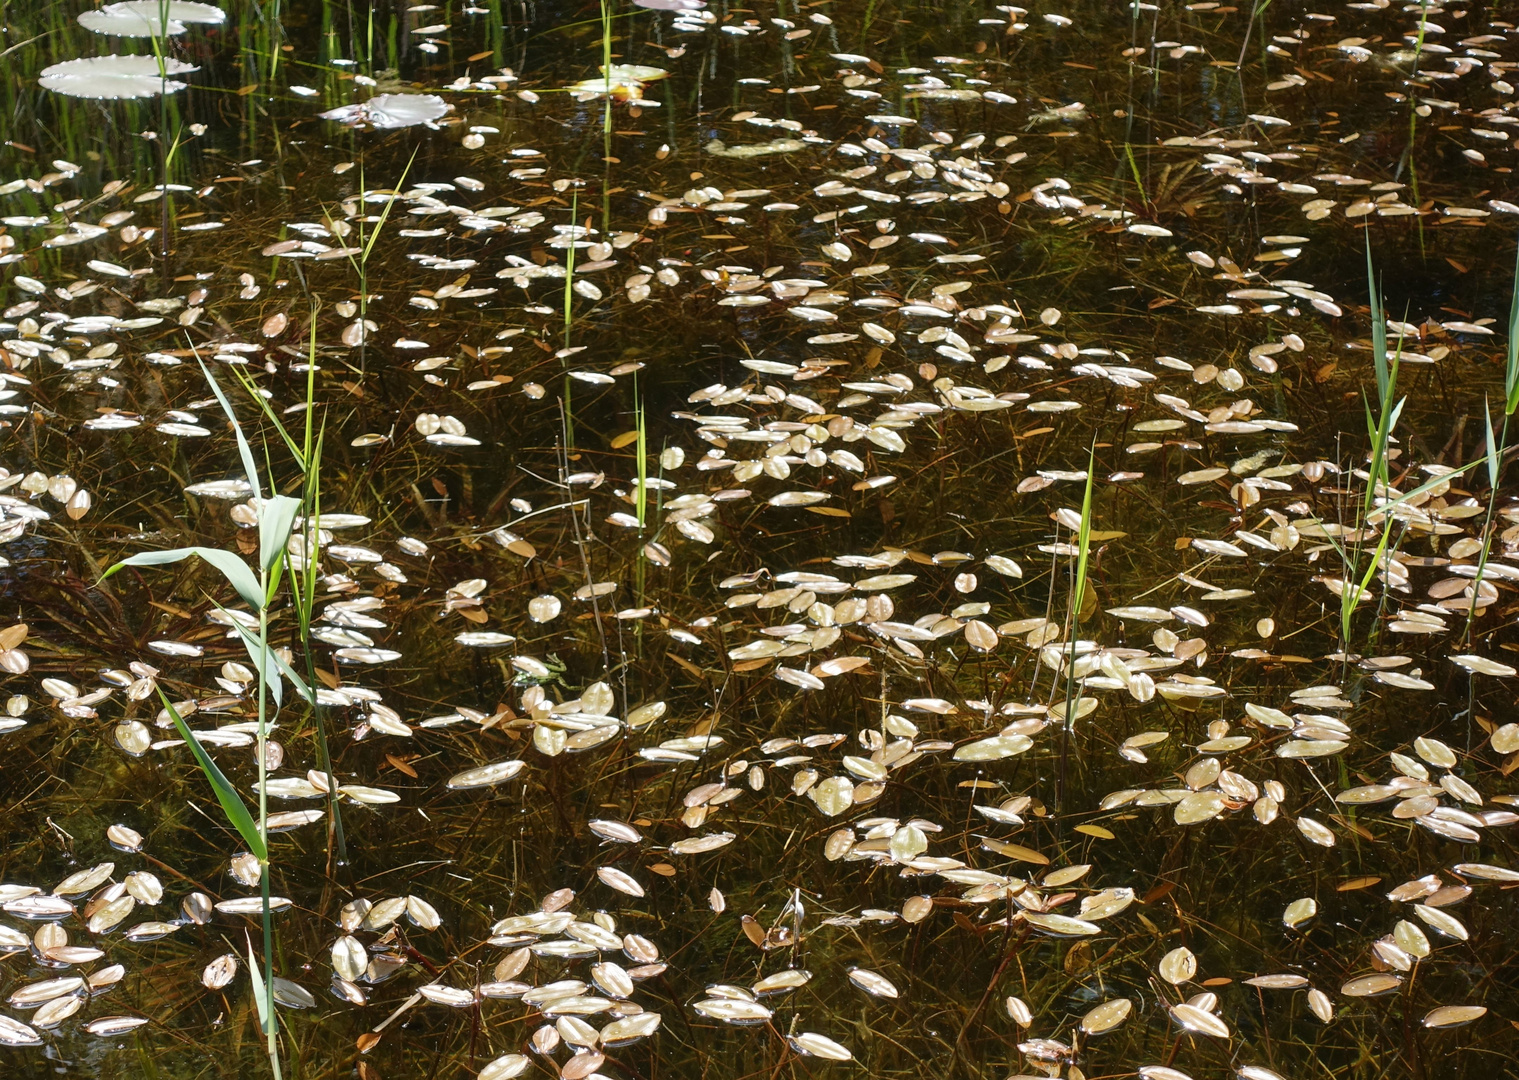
<point x="243" y="449"/>
<point x="276" y="517"/>
<point x="238" y="574"/>
<point x="260" y="991"/>
<point x="238" y="815"/>
<point x="256" y="652"/>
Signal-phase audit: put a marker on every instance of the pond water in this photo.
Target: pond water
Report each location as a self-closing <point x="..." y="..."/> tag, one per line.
<point x="860" y="536"/>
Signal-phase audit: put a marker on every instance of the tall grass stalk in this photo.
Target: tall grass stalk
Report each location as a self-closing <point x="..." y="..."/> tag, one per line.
<point x="641" y="502"/>
<point x="1379" y="428"/>
<point x="160" y="53"/>
<point x="257" y="587"/>
<point x="1354" y="587"/>
<point x="606" y="77"/>
<point x="1497" y="447"/>
<point x="308" y="457"/>
<point x="569" y="321"/>
<point x="1376" y="508"/>
<point x="360" y="262"/>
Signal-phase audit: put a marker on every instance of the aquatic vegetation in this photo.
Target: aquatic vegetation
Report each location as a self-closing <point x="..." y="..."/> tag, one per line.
<point x="389" y="111"/>
<point x="620" y="82"/>
<point x="923" y="554"/>
<point x="275" y="518"/>
<point x="115" y="77"/>
<point x="149" y="18"/>
<point x="109" y="77"/>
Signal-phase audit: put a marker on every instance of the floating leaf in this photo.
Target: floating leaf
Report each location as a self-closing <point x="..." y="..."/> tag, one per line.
<point x="1447" y="1016"/>
<point x="115" y="77"/>
<point x="1107" y="1016"/>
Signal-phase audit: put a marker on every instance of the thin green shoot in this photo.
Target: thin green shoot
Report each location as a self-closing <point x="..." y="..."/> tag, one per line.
<point x="569" y="269"/>
<point x="642" y="446"/>
<point x="1352" y="589"/>
<point x="276" y="519"/>
<point x="1128" y="151"/>
<point x="1381" y="427"/>
<point x="1495" y="445"/>
<point x="1083" y="539"/>
<point x="1511" y="368"/>
<point x="367" y="241"/>
<point x="606" y="75"/>
<point x="308" y="457"/>
<point x="569" y="320"/>
<point x="236" y="811"/>
<point x="1078" y="595"/>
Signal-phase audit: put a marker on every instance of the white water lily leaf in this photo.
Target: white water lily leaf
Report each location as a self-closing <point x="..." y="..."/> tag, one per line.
<point x="1440" y="920"/>
<point x="120" y="20"/>
<point x="1107" y="1016"/>
<point x="15" y="1033"/>
<point x="1142" y="614"/>
<point x="872" y="983"/>
<point x="388" y="111"/>
<point x="108" y="1026"/>
<point x="505" y="1067"/>
<point x="1316" y="831"/>
<point x="1484" y="666"/>
<point x="1198" y="807"/>
<point x="1310" y="748"/>
<point x="1300" y="911"/>
<point x="114" y="77"/>
<point x="1060" y="925"/>
<point x="1371" y="985"/>
<point x="834" y="795"/>
<point x="733" y="1010"/>
<point x="186" y="11"/>
<point x="617" y="879"/>
<point x="1178" y="966"/>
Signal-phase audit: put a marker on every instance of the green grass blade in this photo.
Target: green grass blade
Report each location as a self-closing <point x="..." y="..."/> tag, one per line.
<point x="385" y="213"/>
<point x="1083" y="544"/>
<point x="237" y="572"/>
<point x="1511" y="369"/>
<point x="1492" y="446"/>
<point x="1378" y="330"/>
<point x="243" y="448"/>
<point x="270" y="415"/>
<point x="256" y="653"/>
<point x="238" y="815"/>
<point x="276" y="517"/>
<point x="261" y="997"/>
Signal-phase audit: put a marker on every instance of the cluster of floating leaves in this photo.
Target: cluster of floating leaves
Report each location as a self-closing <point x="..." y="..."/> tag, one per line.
<point x="906" y="345"/>
<point x="119" y="76"/>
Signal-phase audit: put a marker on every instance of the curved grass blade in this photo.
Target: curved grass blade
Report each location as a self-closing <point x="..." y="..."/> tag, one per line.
<point x="237" y="572"/>
<point x="238" y="815"/>
<point x="1511" y="368"/>
<point x="256" y="653"/>
<point x="243" y="449"/>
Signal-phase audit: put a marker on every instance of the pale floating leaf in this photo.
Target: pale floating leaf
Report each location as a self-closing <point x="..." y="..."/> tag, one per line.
<point x="1448" y="1016"/>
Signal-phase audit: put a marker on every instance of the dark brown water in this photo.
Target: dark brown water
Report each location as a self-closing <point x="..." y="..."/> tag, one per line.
<point x="878" y="283"/>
